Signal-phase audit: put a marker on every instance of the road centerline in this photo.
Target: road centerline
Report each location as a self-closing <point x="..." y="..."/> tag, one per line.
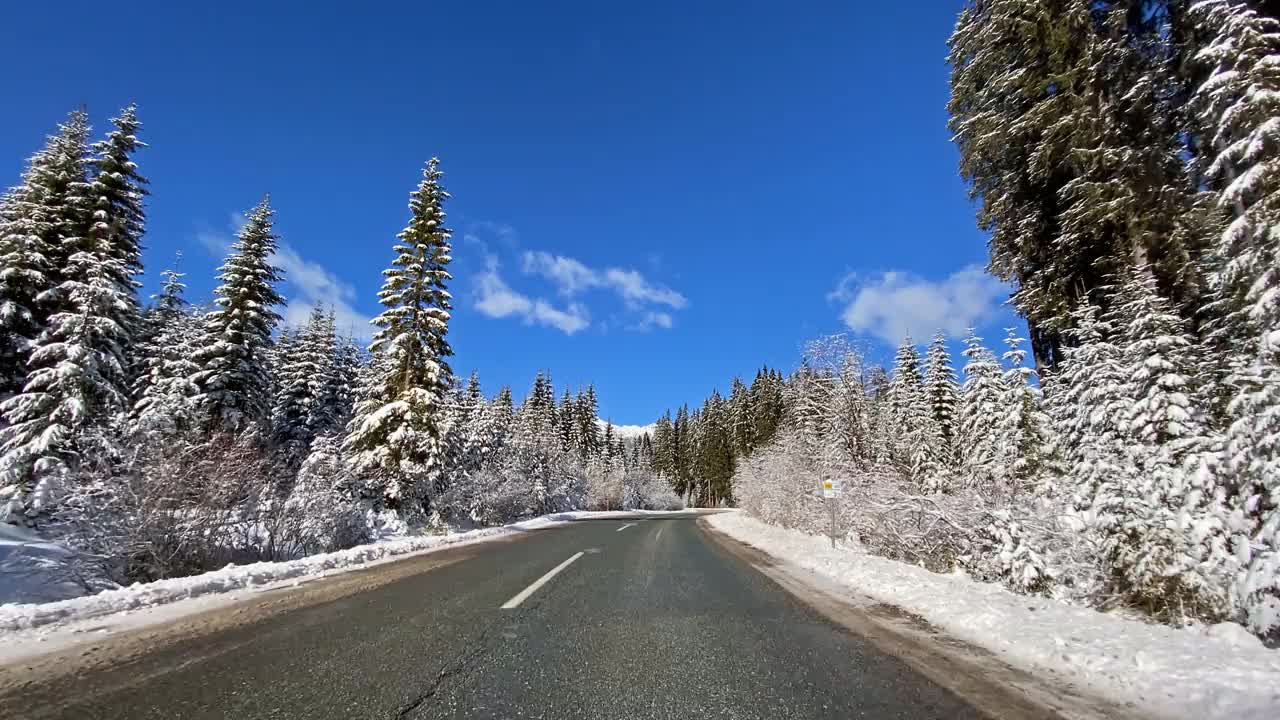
<point x="524" y="594"/>
<point x="624" y="527"/>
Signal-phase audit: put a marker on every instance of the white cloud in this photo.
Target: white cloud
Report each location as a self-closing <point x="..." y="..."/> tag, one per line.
<point x="216" y="243"/>
<point x="572" y="277"/>
<point x="314" y="285"/>
<point x="310" y="282"/>
<point x="897" y="304"/>
<point x="496" y="299"/>
<point x="633" y="288"/>
<point x="654" y="320"/>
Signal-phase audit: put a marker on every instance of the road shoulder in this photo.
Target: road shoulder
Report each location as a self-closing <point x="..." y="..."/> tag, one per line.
<point x="992" y="686"/>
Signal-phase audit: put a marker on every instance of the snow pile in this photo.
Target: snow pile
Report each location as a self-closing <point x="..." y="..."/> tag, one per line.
<point x="1218" y="671"/>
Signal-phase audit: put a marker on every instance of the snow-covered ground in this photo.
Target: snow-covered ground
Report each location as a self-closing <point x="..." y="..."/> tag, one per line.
<point x="33" y="569"/>
<point x="34" y="628"/>
<point x="1216" y="672"/>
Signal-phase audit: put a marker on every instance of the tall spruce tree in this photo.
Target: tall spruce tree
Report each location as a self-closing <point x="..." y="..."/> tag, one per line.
<point x="76" y="385"/>
<point x="116" y="193"/>
<point x="1067" y="120"/>
<point x="919" y="442"/>
<point x="1239" y="106"/>
<point x="980" y="413"/>
<point x="234" y="382"/>
<point x="940" y="387"/>
<point x="395" y="436"/>
<point x="305" y="403"/>
<point x="49" y="208"/>
<point x="1088" y="401"/>
<point x="587" y="418"/>
<point x="164" y="394"/>
<point x="328" y="412"/>
<point x="1025" y="430"/>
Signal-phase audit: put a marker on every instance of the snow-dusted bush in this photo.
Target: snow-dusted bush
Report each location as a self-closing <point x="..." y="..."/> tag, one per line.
<point x="319" y="515"/>
<point x="643" y="490"/>
<point x="175" y="510"/>
<point x="1003" y="551"/>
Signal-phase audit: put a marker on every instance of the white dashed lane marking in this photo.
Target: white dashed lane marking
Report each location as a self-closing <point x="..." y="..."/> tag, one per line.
<point x="524" y="594"/>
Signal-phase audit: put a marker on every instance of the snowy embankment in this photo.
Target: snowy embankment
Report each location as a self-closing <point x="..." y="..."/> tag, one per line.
<point x="16" y="617"/>
<point x="1215" y="672"/>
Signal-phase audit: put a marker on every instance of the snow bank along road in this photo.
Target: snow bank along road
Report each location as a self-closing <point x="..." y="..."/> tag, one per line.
<point x="646" y="617"/>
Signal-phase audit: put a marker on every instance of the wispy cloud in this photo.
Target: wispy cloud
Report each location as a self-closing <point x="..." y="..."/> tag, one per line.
<point x="313" y="285"/>
<point x="653" y="320"/>
<point x="635" y="290"/>
<point x="572" y="277"/>
<point x="892" y="305"/>
<point x="308" y="283"/>
<point x="495" y="299"/>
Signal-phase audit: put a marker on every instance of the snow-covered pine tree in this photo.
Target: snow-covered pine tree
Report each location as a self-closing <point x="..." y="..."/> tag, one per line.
<point x="743" y="418"/>
<point x="1066" y="114"/>
<point x="349" y="364"/>
<point x="663" y="445"/>
<point x="978" y="418"/>
<point x="1165" y="551"/>
<point x="505" y="405"/>
<point x="234" y="378"/>
<point x="167" y="307"/>
<point x="304" y="377"/>
<point x="162" y="388"/>
<point x="535" y="423"/>
<point x="289" y="382"/>
<point x="1239" y="105"/>
<point x="329" y="412"/>
<point x="682" y="452"/>
<point x="49" y="206"/>
<point x="620" y="452"/>
<point x="809" y="401"/>
<point x="919" y="443"/>
<point x="395" y="436"/>
<point x="1025" y="430"/>
<point x="716" y="451"/>
<point x="462" y="431"/>
<point x="766" y="400"/>
<point x="115" y="194"/>
<point x="76" y="385"/>
<point x="567" y="423"/>
<point x="609" y="447"/>
<point x="165" y="409"/>
<point x="1001" y="108"/>
<point x="852" y="415"/>
<point x="906" y="386"/>
<point x="941" y="389"/>
<point x="323" y="504"/>
<point x="587" y="417"/>
<point x="1088" y="400"/>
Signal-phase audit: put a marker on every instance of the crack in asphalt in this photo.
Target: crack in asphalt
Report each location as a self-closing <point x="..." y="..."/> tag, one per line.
<point x="455" y="668"/>
<point x="460" y="666"/>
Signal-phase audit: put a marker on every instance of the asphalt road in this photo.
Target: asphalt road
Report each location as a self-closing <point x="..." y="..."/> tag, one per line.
<point x="654" y="620"/>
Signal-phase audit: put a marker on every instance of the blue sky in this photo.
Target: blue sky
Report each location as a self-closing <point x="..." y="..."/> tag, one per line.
<point x="653" y="197"/>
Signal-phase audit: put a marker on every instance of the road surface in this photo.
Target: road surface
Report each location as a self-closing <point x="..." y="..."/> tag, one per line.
<point x="618" y="618"/>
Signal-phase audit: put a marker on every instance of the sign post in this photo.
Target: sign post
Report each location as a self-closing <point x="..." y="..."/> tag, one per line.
<point x="831" y="492"/>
